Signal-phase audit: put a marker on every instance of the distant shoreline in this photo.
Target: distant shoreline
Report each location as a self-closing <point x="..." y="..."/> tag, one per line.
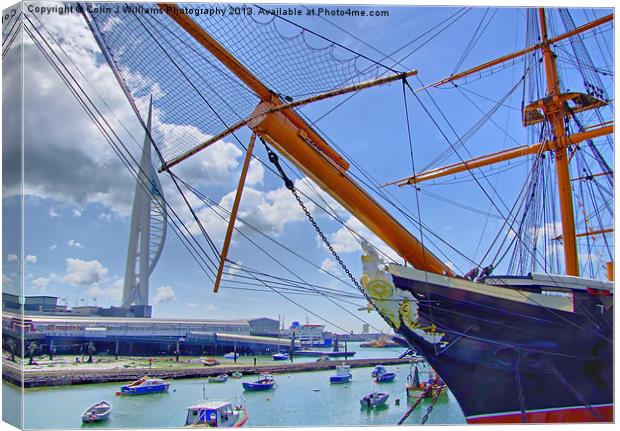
<point x="66" y="377"/>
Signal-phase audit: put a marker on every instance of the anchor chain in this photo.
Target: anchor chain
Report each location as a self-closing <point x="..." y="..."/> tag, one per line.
<point x="415" y="405"/>
<point x="273" y="158"/>
<point x="430" y="408"/>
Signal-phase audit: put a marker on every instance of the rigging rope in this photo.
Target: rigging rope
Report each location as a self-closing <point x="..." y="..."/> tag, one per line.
<point x="273" y="158"/>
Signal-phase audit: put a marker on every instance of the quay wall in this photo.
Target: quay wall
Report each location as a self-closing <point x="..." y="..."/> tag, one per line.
<point x="65" y="377"/>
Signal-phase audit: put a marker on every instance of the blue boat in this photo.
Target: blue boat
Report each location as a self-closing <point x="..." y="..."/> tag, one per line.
<point x="280" y="357"/>
<point x="343" y="374"/>
<point x="382" y="375"/>
<point x="264" y="383"/>
<point x="145" y="385"/>
<point x="385" y="378"/>
<point x="379" y="369"/>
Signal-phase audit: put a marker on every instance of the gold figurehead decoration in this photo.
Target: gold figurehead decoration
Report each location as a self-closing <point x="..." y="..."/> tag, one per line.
<point x="397" y="305"/>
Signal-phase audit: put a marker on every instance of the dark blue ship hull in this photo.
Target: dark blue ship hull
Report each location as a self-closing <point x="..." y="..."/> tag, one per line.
<point x="507" y="361"/>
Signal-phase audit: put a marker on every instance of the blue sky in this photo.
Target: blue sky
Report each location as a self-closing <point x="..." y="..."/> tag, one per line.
<point x="78" y="195"/>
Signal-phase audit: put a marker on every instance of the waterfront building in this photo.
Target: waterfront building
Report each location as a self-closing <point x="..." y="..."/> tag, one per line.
<point x="40" y="304"/>
<point x="264" y="327"/>
<point x="136" y="336"/>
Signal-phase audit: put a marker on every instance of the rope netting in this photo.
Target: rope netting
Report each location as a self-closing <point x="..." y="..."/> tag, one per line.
<point x="194" y="95"/>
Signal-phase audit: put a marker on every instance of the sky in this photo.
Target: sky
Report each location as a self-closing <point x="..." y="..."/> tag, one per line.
<point x="78" y="194"/>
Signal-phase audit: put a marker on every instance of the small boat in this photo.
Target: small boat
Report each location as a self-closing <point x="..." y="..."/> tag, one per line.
<point x="343" y="374"/>
<point x="145" y="385"/>
<point x="385" y="377"/>
<point x="379" y="369"/>
<point x="425" y="389"/>
<point x="281" y="357"/>
<point x="374" y="400"/>
<point x="231" y="355"/>
<point x="210" y="362"/>
<point x="97" y="413"/>
<point x="237" y="375"/>
<point x="218" y="414"/>
<point x="218" y="379"/>
<point x="264" y="382"/>
<point x="380" y="343"/>
<point x="382" y="375"/>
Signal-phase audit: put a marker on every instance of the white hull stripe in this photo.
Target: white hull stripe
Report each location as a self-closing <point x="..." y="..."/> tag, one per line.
<point x="510" y="294"/>
<point x="518" y="412"/>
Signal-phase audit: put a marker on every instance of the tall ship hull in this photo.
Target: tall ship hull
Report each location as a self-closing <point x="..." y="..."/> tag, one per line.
<point x="516" y="349"/>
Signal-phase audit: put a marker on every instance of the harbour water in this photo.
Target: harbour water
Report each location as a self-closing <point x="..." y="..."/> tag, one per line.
<point x="299" y="399"/>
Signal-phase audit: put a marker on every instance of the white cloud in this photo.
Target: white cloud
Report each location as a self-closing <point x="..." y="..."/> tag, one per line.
<point x="72" y="165"/>
<point x="80" y="272"/>
<point x="52" y="213"/>
<point x="69" y="165"/>
<point x="164" y="294"/>
<point x="344" y="240"/>
<point x="6" y="281"/>
<point x="213" y="165"/>
<point x="12" y="258"/>
<point x="40" y="283"/>
<point x="265" y="211"/>
<point x="256" y="173"/>
<point x="328" y="265"/>
<point x="209" y="307"/>
<point x="113" y="292"/>
<point x="31" y="258"/>
<point x="74" y="243"/>
<point x="53" y="247"/>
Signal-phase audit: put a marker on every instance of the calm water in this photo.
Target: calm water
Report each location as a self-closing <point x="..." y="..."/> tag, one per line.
<point x="294" y="401"/>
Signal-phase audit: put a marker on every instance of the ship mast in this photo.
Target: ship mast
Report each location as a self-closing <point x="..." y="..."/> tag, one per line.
<point x="555" y="111"/>
<point x="552" y="109"/>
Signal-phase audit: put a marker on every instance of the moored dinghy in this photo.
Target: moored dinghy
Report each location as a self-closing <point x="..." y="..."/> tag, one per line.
<point x="97" y="413"/>
<point x="218" y="379"/>
<point x="382" y="374"/>
<point x="374" y="400"/>
<point x="264" y="382"/>
<point x="379" y="369"/>
<point x="145" y="385"/>
<point x="281" y="356"/>
<point x="343" y="374"/>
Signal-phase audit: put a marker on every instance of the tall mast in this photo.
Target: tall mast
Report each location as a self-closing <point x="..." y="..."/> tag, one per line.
<point x="555" y="112"/>
<point x="552" y="109"/>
